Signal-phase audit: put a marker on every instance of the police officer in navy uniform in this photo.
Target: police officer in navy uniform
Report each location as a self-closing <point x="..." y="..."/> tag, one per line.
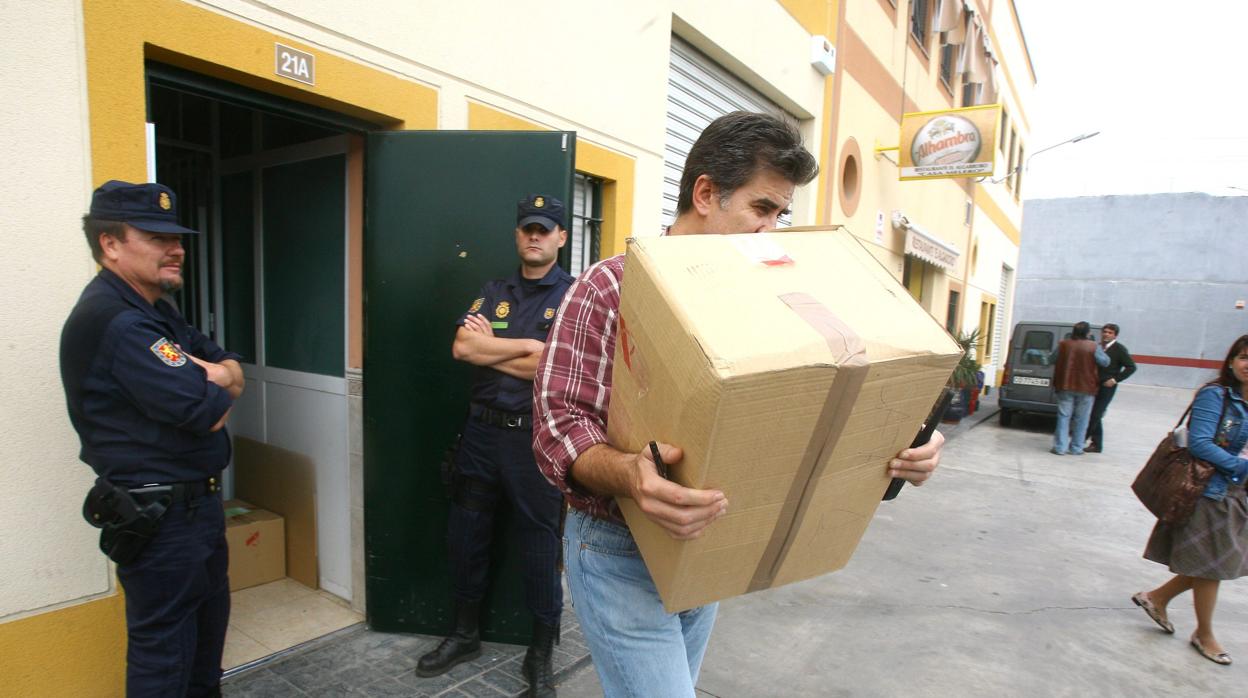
<point x="149" y="395"/>
<point x="502" y="335"/>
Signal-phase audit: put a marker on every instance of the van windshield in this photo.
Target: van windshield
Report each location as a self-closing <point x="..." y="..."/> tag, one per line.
<point x="1037" y="348"/>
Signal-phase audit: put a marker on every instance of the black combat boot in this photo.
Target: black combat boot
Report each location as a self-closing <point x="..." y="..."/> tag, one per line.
<point x="537" y="661"/>
<point x="463" y="644"/>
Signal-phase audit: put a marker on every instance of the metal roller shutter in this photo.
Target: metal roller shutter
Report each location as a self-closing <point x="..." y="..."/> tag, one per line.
<point x="698" y="92"/>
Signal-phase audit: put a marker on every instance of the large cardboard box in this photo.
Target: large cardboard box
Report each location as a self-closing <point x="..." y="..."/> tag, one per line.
<point x="257" y="540"/>
<point x="284" y="482"/>
<point x="789" y="368"/>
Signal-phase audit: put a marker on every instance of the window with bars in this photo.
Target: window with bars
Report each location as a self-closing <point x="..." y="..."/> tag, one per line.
<point x="920" y="19"/>
<point x="1018" y="174"/>
<point x="948" y="52"/>
<point x="1009" y="178"/>
<point x="969" y="89"/>
<point x="1005" y="125"/>
<point x="585" y="236"/>
<point x="951" y="313"/>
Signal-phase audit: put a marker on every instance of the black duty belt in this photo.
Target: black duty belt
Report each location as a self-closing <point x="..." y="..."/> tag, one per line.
<point x="178" y="491"/>
<point x="504" y="420"/>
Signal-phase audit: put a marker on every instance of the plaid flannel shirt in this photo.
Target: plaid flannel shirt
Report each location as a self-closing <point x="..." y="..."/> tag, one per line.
<point x="572" y="389"/>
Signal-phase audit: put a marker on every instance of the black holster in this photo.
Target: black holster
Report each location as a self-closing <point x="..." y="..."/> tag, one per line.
<point x="127" y="524"/>
<point x="446" y="469"/>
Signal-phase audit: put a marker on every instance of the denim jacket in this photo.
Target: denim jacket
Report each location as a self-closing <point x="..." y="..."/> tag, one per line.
<point x="1219" y="444"/>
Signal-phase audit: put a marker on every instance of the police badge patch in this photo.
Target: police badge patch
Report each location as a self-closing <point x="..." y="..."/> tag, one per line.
<point x="476" y="305"/>
<point x="502" y="310"/>
<point x="167" y="352"/>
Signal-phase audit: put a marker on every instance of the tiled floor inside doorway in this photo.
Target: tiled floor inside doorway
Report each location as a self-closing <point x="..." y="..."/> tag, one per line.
<point x="279" y="615"/>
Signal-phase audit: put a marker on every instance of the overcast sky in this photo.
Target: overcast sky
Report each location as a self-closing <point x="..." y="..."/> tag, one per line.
<point x="1165" y="83"/>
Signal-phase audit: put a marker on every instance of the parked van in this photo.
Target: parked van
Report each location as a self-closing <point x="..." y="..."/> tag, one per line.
<point x="1027" y="382"/>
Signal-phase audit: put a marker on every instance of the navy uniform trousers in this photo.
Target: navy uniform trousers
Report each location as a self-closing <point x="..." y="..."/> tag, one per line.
<point x="178" y="603"/>
<point x="501" y="459"/>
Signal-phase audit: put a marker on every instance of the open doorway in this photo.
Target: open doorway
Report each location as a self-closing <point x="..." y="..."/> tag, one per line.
<point x="270" y="186"/>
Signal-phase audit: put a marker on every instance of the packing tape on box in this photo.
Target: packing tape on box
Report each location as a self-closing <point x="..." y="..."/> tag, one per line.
<point x="850" y="356"/>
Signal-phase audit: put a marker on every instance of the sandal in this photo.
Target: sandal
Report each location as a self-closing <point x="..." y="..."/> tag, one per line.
<point x="1147" y="604"/>
<point x="1220" y="658"/>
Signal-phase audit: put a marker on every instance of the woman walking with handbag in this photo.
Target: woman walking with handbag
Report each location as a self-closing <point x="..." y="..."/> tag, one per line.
<point x="1212" y="545"/>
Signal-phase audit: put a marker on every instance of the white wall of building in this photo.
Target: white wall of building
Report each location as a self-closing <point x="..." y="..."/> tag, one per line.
<point x="49" y="553"/>
<point x="598" y="69"/>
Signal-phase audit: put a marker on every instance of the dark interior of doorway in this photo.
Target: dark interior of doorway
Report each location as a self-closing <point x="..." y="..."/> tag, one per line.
<point x="198" y="124"/>
<point x="200" y="121"/>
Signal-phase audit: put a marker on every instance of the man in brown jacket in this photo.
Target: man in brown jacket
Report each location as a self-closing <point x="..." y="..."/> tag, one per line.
<point x="1075" y="380"/>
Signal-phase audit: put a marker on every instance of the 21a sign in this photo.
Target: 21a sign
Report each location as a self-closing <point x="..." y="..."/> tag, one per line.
<point x="294" y="64"/>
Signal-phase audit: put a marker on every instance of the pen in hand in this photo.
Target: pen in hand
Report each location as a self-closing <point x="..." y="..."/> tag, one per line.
<point x="659" y="465"/>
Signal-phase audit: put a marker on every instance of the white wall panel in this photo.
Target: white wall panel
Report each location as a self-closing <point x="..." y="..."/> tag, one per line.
<point x="314" y="423"/>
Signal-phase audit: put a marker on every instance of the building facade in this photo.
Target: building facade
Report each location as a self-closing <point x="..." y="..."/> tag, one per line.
<point x="903" y="57"/>
<point x="267" y="119"/>
<point x="1112" y="259"/>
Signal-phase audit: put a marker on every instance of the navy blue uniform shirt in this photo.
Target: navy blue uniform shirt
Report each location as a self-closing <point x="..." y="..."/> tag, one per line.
<point x="142" y="409"/>
<point x="517" y="308"/>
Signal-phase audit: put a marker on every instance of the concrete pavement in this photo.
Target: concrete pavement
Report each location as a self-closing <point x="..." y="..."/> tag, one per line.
<point x="1009" y="574"/>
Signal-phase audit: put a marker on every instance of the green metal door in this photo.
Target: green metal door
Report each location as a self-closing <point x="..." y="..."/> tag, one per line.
<point x="439" y="217"/>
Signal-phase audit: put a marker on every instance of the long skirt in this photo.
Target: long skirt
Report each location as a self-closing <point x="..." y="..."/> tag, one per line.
<point x="1213" y="544"/>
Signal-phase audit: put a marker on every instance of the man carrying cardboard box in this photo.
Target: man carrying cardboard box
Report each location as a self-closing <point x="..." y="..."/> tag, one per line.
<point x="739" y="177"/>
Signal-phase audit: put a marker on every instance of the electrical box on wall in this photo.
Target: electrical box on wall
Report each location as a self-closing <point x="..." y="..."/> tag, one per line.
<point x="822" y="55"/>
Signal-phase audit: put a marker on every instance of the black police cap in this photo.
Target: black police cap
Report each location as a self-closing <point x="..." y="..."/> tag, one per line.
<point x="546" y="211"/>
<point x="151" y="207"/>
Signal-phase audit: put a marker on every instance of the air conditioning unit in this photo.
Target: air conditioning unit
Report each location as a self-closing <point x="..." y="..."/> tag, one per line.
<point x="822" y="55"/>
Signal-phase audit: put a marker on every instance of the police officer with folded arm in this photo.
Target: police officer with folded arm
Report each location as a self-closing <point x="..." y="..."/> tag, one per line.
<point x="502" y="335"/>
<point x="149" y="396"/>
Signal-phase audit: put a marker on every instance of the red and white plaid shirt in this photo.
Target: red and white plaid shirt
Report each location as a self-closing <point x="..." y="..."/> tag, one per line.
<point x="572" y="389"/>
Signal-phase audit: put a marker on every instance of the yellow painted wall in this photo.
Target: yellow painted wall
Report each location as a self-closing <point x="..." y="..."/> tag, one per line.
<point x="120" y="34"/>
<point x="77" y="651"/>
<point x="815" y="16"/>
<point x="616" y="171"/>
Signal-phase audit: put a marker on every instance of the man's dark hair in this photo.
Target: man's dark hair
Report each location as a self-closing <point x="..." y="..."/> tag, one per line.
<point x="1111" y="327"/>
<point x="94" y="227"/>
<point x="736" y="146"/>
<point x="1080" y="331"/>
<point x="1227" y="376"/>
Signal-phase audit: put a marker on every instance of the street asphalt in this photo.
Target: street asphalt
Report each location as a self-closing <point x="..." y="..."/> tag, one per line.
<point x="1010" y="573"/>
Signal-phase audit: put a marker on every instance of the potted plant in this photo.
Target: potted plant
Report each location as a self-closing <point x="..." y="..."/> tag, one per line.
<point x="964" y="380"/>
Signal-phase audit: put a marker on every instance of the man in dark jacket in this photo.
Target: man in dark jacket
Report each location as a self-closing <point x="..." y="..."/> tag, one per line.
<point x="1120" y="367"/>
<point x="1075" y="380"/>
<point x="149" y="395"/>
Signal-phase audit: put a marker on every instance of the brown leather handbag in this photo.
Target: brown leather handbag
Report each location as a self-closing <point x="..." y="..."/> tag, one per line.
<point x="1173" y="480"/>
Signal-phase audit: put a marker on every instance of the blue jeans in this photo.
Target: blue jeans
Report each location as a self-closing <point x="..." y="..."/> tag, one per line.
<point x="1067" y="439"/>
<point x="638" y="649"/>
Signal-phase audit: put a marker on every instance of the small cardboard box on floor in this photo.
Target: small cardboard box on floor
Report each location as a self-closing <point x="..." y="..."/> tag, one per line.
<point x="257" y="540"/>
<point x="789" y="367"/>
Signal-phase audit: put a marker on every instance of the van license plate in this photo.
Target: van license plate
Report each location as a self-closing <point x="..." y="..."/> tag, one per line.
<point x="1028" y="380"/>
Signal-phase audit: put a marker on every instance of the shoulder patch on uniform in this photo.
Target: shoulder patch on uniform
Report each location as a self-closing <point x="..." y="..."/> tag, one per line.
<point x="502" y="310"/>
<point x="549" y="314"/>
<point x="167" y="352"/>
<point x="476" y="305"/>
